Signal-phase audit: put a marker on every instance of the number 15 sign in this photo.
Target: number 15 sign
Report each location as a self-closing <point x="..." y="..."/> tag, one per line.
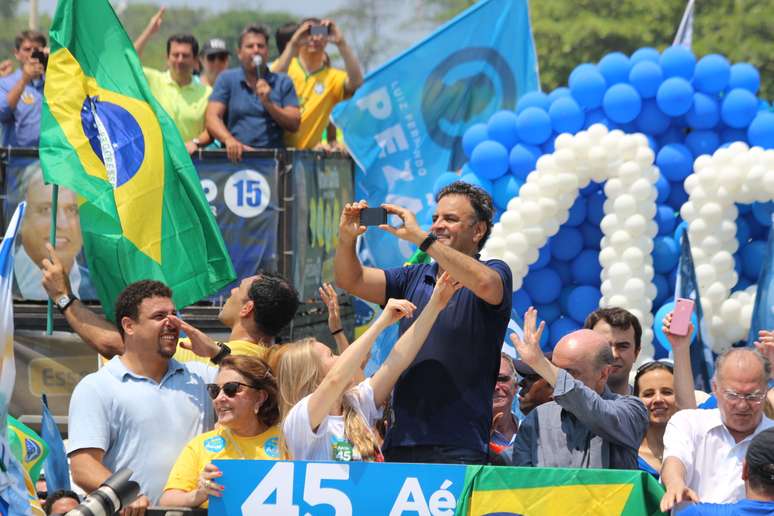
<point x="285" y="488"/>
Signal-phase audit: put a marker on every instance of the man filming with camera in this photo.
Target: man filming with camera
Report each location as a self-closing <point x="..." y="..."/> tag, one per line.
<point x="21" y="93"/>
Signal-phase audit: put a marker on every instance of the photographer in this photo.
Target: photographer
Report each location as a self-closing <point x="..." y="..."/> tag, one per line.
<point x="21" y="93"/>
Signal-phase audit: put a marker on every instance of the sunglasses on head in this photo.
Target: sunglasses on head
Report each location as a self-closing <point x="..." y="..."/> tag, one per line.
<point x="230" y="389"/>
<point x="648" y="364"/>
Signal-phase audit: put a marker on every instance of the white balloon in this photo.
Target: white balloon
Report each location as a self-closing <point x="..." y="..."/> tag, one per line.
<point x="634" y="258"/>
<point x="625" y="205"/>
<point x="516" y="243"/>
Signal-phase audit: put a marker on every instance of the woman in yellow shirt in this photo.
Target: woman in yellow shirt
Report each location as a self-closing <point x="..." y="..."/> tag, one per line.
<point x="245" y="401"/>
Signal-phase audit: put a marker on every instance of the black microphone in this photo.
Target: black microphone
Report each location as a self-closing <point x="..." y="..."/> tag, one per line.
<point x="260" y="68"/>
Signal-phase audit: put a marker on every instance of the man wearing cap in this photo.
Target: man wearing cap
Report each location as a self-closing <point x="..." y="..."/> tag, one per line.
<point x="704" y="449"/>
<point x="215" y="54"/>
<point x="533" y="389"/>
<point x="184" y="99"/>
<point x="758" y="476"/>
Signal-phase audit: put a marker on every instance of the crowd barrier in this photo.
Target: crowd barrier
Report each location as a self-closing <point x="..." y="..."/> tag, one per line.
<point x="341" y="488"/>
<point x="277" y="210"/>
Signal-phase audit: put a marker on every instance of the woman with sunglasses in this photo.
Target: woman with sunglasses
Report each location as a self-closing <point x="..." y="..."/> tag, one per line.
<point x="664" y="392"/>
<point x="325" y="415"/>
<point x="245" y="401"/>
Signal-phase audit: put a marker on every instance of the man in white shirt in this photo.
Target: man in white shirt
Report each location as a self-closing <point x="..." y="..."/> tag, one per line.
<point x="704" y="449"/>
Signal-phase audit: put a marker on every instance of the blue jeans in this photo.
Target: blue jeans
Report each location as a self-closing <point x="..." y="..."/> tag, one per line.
<point x="430" y="454"/>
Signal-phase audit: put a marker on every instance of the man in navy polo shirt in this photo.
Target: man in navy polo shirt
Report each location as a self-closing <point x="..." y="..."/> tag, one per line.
<point x="257" y="105"/>
<point x="21" y="93"/>
<point x="442" y="404"/>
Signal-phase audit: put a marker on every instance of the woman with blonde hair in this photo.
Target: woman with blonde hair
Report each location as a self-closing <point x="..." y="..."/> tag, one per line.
<point x="324" y="415"/>
<point x="245" y="399"/>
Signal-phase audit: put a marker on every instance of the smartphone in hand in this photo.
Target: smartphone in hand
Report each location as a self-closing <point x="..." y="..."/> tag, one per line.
<point x="373" y="216"/>
<point x="681" y="317"/>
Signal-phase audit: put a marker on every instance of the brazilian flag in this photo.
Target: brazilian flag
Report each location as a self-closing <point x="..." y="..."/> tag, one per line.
<point x="28" y="447"/>
<point x="103" y="135"/>
<point x="496" y="491"/>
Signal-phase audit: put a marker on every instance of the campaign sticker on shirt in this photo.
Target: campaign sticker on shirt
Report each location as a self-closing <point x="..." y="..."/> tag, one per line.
<point x="342" y="450"/>
<point x="214" y="444"/>
<point x="271" y="447"/>
<point x="27" y="98"/>
<point x="319" y="88"/>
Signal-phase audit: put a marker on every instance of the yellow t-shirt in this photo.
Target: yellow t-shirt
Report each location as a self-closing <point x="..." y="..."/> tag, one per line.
<point x="238" y="347"/>
<point x="220" y="443"/>
<point x="186" y="105"/>
<point x="317" y="93"/>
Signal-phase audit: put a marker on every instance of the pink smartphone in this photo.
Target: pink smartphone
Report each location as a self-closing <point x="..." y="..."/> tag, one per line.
<point x="681" y="317"/>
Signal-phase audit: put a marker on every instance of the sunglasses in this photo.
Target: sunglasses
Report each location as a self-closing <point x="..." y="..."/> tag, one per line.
<point x="230" y="389"/>
<point x="217" y="57"/>
<point x="669" y="363"/>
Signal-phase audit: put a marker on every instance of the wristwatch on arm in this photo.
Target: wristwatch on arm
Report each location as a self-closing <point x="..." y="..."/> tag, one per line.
<point x="63" y="302"/>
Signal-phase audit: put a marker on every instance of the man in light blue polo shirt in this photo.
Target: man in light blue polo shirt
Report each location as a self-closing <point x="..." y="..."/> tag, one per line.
<point x="141" y="409"/>
<point x="21" y="93"/>
<point x="250" y="106"/>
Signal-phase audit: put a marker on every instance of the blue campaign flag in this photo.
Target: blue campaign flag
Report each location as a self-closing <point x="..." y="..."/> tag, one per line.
<point x="763" y="310"/>
<point x="686" y="286"/>
<point x="57" y="470"/>
<point x="404" y="125"/>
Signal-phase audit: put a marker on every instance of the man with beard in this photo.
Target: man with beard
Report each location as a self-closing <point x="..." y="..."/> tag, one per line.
<point x="624" y="333"/>
<point x="140" y="409"/>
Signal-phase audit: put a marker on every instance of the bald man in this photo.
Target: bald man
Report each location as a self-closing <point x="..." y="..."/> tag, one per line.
<point x="586" y="425"/>
<point x="704" y="449"/>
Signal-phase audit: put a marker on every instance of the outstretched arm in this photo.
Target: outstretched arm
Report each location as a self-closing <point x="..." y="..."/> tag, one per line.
<point x="683" y="375"/>
<point x="364" y="282"/>
<point x="154" y="24"/>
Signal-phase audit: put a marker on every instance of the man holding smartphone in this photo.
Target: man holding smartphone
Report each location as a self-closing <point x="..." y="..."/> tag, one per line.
<point x="319" y="85"/>
<point x="442" y="403"/>
<point x="21" y="93"/>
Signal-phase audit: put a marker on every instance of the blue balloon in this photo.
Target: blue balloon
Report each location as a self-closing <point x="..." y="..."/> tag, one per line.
<point x="480" y="182"/>
<point x="505" y="189"/>
<point x="496" y="217"/>
<point x="761" y="131"/>
<point x="738" y="109"/>
<point x="489" y="160"/>
<point x="622" y="103"/>
<point x="536" y="99"/>
<point x="675" y="161"/>
<point x="730" y="135"/>
<point x="520" y="301"/>
<point x="762" y="212"/>
<point x="562" y="269"/>
<point x="665" y="254"/>
<point x="651" y="119"/>
<point x="543" y="286"/>
<point x="522" y="160"/>
<point x="646" y="77"/>
<point x="753" y="255"/>
<point x="443" y="181"/>
<point x="678" y="61"/>
<point x="742" y="231"/>
<point x="704" y="113"/>
<point x="566" y="115"/>
<point x="564" y="297"/>
<point x="592" y="236"/>
<point x="563" y="326"/>
<point x="711" y="74"/>
<point x="549" y="146"/>
<point x="671" y="135"/>
<point x="645" y="54"/>
<point x="567" y="244"/>
<point x="473" y="135"/>
<point x="587" y="86"/>
<point x="586" y="268"/>
<point x="666" y="219"/>
<point x="614" y="67"/>
<point x="675" y="96"/>
<point x="544" y="256"/>
<point x="533" y="125"/>
<point x="596" y="116"/>
<point x="662" y="185"/>
<point x="702" y="142"/>
<point x="558" y="93"/>
<point x="502" y="128"/>
<point x="652" y="143"/>
<point x="677" y="195"/>
<point x="662" y="312"/>
<point x="595" y="207"/>
<point x="662" y="289"/>
<point x="550" y="312"/>
<point x="577" y="212"/>
<point x="746" y="76"/>
<point x="582" y="301"/>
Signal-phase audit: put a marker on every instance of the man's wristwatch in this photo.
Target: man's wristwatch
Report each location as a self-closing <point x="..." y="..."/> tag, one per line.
<point x="427" y="242"/>
<point x="223" y="353"/>
<point x="64" y="302"/>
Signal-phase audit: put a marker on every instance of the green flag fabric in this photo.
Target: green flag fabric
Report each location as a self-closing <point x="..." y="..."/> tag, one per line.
<point x="103" y="135"/>
<point x="28" y="447"/>
<point x="549" y="491"/>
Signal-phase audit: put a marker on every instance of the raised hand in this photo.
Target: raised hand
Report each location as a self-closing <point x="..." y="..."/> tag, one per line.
<point x="156" y="20"/>
<point x="410" y="230"/>
<point x="349" y="223"/>
<point x="200" y="343"/>
<point x="679" y="494"/>
<point x="445" y="288"/>
<point x="529" y="348"/>
<point x="395" y="310"/>
<point x="330" y="298"/>
<point x="676" y="341"/>
<point x="55" y="279"/>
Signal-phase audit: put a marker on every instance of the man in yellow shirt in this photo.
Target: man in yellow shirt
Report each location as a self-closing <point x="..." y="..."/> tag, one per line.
<point x="183" y="98"/>
<point x="318" y="85"/>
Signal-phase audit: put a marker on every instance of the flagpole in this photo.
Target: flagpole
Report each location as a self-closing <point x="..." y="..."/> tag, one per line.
<point x="52" y="239"/>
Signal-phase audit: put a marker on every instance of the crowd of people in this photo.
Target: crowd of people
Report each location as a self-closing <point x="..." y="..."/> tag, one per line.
<point x="444" y="394"/>
<point x="258" y="104"/>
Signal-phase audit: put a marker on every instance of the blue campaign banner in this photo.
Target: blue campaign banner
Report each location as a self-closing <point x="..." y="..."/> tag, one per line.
<point x="296" y="488"/>
<point x="404" y="125"/>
